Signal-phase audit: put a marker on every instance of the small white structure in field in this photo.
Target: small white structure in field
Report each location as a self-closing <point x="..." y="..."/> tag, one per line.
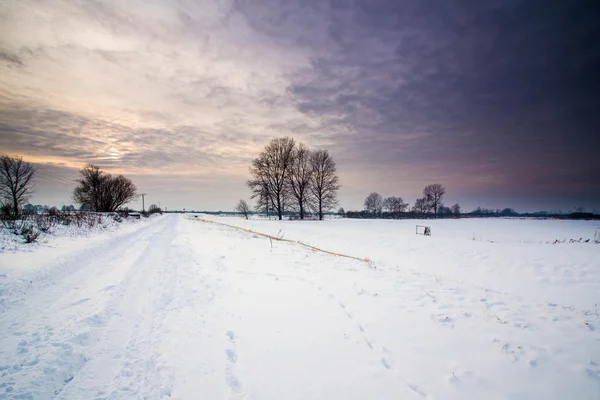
<point x="423" y="230"/>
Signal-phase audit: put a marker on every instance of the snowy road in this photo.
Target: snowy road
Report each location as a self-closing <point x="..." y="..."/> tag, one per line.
<point x="178" y="308"/>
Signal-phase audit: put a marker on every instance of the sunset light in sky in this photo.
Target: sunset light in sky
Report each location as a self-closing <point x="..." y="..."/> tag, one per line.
<point x="496" y="100"/>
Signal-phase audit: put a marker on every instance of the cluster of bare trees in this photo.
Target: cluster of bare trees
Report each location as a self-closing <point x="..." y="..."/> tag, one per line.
<point x="376" y="204"/>
<point x="102" y="192"/>
<point x="288" y="176"/>
<point x="96" y="190"/>
<point x="430" y="204"/>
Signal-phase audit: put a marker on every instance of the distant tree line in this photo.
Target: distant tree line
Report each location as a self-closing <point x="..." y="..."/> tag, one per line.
<point x="39" y="209"/>
<point x="489" y="212"/>
<point x="430" y="205"/>
<point x="288" y="177"/>
<point x="509" y="212"/>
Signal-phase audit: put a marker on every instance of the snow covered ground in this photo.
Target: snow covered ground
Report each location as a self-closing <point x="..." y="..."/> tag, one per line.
<point x="175" y="307"/>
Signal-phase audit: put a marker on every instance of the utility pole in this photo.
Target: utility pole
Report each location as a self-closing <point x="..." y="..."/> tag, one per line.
<point x="143" y="206"/>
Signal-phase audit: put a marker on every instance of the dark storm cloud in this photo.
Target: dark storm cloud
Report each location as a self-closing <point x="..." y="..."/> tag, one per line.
<point x="504" y="88"/>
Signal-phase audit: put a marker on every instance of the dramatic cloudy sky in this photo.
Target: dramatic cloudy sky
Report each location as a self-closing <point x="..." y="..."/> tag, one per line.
<point x="496" y="100"/>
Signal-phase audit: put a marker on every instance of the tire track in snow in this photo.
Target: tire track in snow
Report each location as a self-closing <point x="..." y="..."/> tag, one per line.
<point x="56" y="280"/>
<point x="128" y="339"/>
<point x="63" y="335"/>
<point x="101" y="326"/>
<point x="142" y="371"/>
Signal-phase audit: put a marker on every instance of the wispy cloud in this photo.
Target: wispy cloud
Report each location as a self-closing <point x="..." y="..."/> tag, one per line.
<point x="478" y="96"/>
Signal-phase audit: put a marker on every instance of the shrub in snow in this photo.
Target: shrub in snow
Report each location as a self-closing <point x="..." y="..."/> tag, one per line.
<point x="45" y="222"/>
<point x="154" y="209"/>
<point x="31" y="228"/>
<point x="30" y="235"/>
<point x="25" y="229"/>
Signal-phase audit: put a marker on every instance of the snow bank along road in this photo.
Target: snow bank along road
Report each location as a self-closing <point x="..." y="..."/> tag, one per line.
<point x="178" y="308"/>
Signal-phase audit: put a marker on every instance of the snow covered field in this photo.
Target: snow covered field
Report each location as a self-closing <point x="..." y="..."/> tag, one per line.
<point x="174" y="307"/>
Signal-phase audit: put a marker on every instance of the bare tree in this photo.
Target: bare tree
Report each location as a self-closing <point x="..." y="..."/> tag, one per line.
<point x="16" y="182"/>
<point x="101" y="191"/>
<point x="270" y="173"/>
<point x="421" y="206"/>
<point x="455" y="210"/>
<point x="395" y="205"/>
<point x="243" y="208"/>
<point x="90" y="187"/>
<point x="324" y="181"/>
<point x="374" y="203"/>
<point x="434" y="194"/>
<point x="300" y="178"/>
